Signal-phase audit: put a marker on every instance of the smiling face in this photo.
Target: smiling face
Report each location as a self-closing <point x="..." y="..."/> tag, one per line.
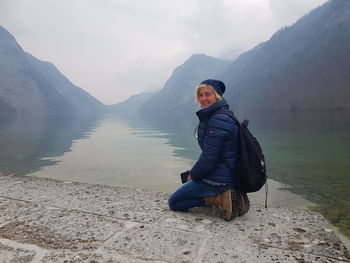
<point x="206" y="97"/>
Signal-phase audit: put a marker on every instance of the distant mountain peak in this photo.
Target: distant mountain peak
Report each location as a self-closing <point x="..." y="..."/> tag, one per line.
<point x="177" y="93"/>
<point x="302" y="67"/>
<point x="33" y="88"/>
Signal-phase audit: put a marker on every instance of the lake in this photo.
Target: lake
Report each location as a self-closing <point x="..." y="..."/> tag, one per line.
<point x="307" y="156"/>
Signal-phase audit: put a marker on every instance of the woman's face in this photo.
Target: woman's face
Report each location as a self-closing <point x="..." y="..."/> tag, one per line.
<point x="206" y="97"/>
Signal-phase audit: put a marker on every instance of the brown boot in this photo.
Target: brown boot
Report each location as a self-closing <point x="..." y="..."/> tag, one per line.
<point x="210" y="200"/>
<point x="246" y="203"/>
<point x="223" y="203"/>
<point x="243" y="203"/>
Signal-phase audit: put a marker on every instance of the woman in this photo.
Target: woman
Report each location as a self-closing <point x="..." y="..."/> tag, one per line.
<point x="209" y="181"/>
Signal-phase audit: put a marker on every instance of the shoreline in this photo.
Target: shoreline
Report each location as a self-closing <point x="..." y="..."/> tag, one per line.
<point x="44" y="220"/>
<point x="279" y="195"/>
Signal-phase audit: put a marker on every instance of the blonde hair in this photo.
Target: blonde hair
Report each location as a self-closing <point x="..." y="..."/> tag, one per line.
<point x="218" y="97"/>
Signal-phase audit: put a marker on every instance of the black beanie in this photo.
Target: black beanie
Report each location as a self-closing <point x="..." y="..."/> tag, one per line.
<point x="218" y="85"/>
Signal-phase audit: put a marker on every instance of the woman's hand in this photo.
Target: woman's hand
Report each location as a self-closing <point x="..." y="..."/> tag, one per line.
<point x="189" y="178"/>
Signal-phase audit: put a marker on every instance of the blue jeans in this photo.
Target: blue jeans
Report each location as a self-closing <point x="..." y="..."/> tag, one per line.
<point x="192" y="193"/>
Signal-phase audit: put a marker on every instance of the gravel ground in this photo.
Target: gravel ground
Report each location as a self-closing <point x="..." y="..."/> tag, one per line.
<point x="43" y="220"/>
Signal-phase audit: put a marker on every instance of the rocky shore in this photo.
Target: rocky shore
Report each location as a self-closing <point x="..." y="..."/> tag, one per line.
<point x="43" y="220"/>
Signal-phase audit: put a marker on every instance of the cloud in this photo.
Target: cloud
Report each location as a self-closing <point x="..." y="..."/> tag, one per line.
<point x="117" y="48"/>
<point x="288" y="12"/>
<point x="220" y="26"/>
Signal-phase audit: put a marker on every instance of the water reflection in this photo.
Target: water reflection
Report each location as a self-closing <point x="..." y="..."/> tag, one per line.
<point x="309" y="151"/>
<point x="29" y="144"/>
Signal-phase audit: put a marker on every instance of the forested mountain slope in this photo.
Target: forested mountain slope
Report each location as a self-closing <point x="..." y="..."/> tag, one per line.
<point x="302" y="67"/>
<point x="33" y="88"/>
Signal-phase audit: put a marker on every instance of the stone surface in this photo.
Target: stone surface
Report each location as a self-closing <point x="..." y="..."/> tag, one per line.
<point x="44" y="221"/>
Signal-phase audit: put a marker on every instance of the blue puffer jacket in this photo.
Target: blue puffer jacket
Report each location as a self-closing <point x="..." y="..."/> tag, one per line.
<point x="218" y="139"/>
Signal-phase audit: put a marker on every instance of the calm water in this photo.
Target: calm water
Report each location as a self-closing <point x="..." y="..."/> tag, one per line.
<point x="307" y="155"/>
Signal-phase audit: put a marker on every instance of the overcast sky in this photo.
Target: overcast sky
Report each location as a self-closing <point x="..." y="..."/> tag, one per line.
<point x="117" y="48"/>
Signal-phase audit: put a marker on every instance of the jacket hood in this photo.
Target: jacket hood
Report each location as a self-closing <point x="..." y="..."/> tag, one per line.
<point x="207" y="112"/>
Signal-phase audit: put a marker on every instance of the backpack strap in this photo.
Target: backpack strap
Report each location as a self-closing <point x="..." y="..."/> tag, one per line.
<point x="233" y="116"/>
<point x="228" y="113"/>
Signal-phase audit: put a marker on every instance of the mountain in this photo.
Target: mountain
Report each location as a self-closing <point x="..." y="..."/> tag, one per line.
<point x="305" y="66"/>
<point x="176" y="96"/>
<point x="33" y="88"/>
<point x="131" y="107"/>
<point x="302" y="67"/>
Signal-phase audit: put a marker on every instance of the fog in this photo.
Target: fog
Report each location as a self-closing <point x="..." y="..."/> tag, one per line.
<point x="117" y="48"/>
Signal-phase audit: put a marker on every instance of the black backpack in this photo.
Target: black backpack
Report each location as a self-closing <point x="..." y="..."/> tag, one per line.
<point x="251" y="170"/>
